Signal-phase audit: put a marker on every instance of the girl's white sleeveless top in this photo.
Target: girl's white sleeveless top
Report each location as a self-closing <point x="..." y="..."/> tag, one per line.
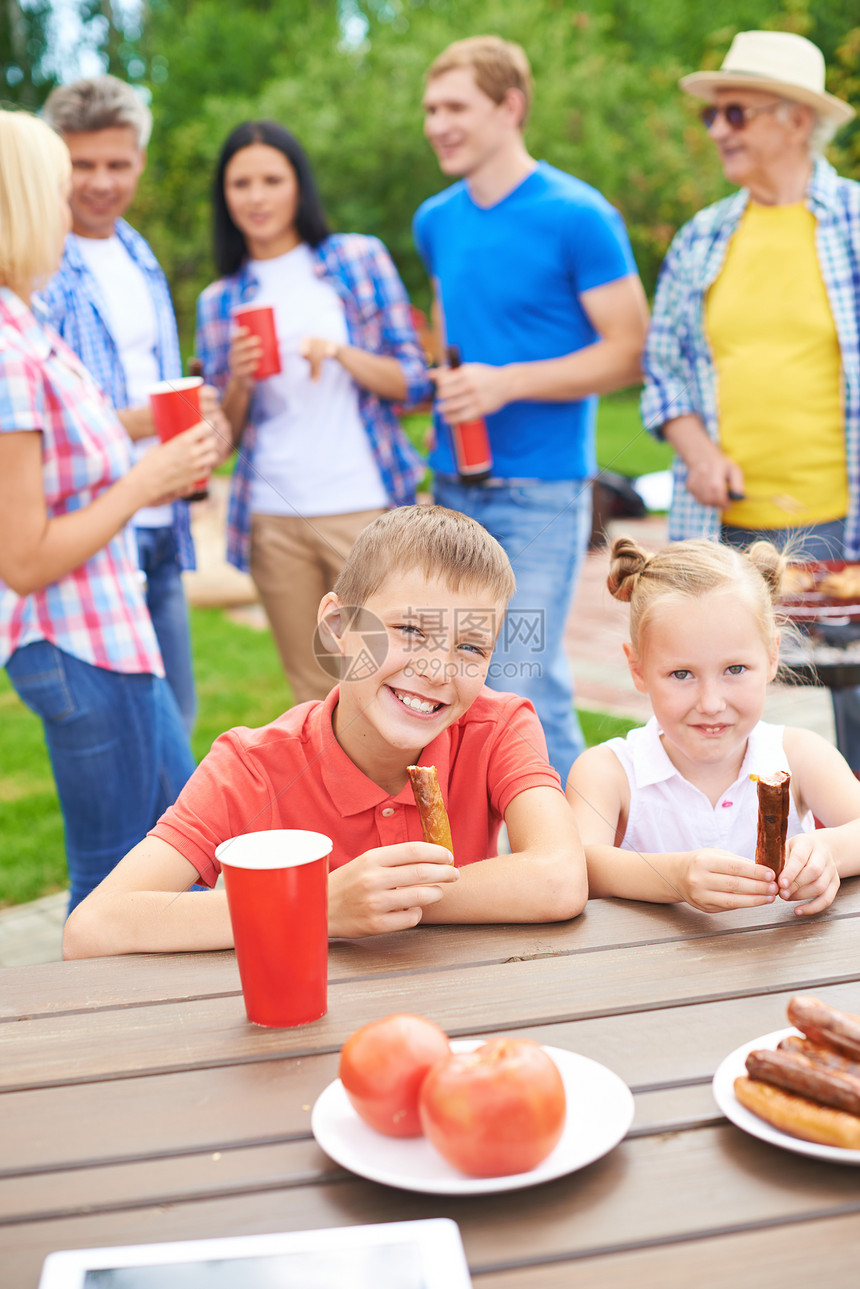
<point x="667" y="813"/>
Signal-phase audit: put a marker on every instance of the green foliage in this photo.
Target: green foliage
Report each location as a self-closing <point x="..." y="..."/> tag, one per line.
<point x="607" y="106"/>
<point x="24" y="79"/>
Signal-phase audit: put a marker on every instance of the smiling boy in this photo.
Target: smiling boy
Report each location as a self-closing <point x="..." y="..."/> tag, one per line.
<point x="412" y="622"/>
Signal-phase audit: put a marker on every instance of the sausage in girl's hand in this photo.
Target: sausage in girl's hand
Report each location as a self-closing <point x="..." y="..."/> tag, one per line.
<point x="773" y="803"/>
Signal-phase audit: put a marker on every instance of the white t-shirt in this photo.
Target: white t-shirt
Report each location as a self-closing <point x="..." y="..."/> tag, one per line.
<point x="134" y="327"/>
<point x="313" y="456"/>
<point x="668" y="813"/>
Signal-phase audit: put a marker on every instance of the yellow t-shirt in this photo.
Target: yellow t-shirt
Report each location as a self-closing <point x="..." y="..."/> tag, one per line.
<point x="778" y="372"/>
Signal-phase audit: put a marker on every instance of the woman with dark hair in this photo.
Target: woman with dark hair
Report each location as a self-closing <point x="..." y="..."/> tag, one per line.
<point x="322" y="452"/>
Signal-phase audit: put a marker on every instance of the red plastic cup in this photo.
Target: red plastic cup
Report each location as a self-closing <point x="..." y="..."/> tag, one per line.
<point x="260" y="321"/>
<point x="175" y="408"/>
<point x="277" y="893"/>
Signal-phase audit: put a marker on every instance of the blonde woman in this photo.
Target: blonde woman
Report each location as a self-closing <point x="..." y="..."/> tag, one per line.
<point x="75" y="635"/>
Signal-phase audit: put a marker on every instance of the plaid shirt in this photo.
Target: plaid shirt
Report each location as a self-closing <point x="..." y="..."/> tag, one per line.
<point x="97" y="612"/>
<point x="76" y="309"/>
<point x="679" y="367"/>
<point x="378" y="319"/>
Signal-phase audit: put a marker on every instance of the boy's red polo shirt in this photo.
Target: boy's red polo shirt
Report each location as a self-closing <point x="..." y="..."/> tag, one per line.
<point x="294" y="774"/>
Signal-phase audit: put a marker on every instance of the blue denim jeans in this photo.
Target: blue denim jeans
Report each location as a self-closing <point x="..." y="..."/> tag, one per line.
<point x="165" y="599"/>
<point x="118" y="751"/>
<point x="544" y="527"/>
<point x="819" y="541"/>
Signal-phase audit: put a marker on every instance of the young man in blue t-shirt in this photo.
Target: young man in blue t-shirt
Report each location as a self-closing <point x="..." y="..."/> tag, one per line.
<point x="536" y="285"/>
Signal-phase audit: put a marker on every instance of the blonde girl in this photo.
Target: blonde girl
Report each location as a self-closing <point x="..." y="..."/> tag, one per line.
<point x="670" y="812"/>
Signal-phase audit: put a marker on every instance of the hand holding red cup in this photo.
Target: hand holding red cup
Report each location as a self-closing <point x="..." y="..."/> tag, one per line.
<point x="175" y="408"/>
<point x="259" y="319"/>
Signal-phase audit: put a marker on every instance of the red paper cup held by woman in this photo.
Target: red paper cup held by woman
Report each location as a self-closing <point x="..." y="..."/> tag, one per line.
<point x="175" y="408"/>
<point x="277" y="893"/>
<point x="260" y="321"/>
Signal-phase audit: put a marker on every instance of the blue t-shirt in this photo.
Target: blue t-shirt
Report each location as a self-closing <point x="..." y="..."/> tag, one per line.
<point x="509" y="278"/>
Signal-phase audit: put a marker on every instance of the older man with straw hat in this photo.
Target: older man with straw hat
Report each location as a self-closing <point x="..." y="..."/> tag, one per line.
<point x="753" y="359"/>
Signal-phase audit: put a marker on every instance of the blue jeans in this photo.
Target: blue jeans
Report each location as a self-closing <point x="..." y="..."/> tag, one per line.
<point x="118" y="751"/>
<point x="544" y="527"/>
<point x="165" y="599"/>
<point x="818" y="542"/>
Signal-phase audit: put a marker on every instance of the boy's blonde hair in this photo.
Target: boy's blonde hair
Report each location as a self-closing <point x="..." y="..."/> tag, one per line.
<point x="438" y="542"/>
<point x="498" y="66"/>
<point x="687" y="570"/>
<point x="34" y="164"/>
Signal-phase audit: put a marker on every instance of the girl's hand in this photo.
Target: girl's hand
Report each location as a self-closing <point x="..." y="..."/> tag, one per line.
<point x="246" y="350"/>
<point x="715" y="880"/>
<point x="170" y="470"/>
<point x="387" y="888"/>
<point x="316" y="351"/>
<point x="810" y="872"/>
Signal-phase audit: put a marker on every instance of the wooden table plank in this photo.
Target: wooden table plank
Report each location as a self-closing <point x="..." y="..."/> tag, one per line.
<point x="178" y="1177"/>
<point x="173" y="1036"/>
<point x="655" y="1189"/>
<point x="85" y="986"/>
<point x="824" y="1253"/>
<point x="234" y="1105"/>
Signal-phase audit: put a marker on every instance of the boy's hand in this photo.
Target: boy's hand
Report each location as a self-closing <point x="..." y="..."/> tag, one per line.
<point x="715" y="880"/>
<point x="387" y="889"/>
<point x="810" y="872"/>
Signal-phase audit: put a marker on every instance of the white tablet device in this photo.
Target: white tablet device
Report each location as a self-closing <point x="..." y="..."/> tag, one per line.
<point x="399" y="1255"/>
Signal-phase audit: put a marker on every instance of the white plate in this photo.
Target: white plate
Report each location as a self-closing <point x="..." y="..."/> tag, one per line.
<point x="733" y="1067"/>
<point x="599" y="1112"/>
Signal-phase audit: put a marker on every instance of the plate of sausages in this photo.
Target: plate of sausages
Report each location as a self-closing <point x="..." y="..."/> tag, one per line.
<point x="799" y="1088"/>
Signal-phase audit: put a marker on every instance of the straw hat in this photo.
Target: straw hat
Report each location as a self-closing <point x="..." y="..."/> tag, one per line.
<point x="777" y="61"/>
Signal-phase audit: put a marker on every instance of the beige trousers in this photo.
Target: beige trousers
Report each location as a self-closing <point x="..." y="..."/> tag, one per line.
<point x="294" y="562"/>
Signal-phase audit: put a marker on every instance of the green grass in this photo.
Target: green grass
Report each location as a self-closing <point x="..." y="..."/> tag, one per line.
<point x="623" y="445"/>
<point x="239" y="682"/>
<point x="597" y="727"/>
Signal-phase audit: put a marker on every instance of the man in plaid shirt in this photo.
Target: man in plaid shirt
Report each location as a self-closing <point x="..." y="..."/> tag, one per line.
<point x="753" y="363"/>
<point x="111" y="303"/>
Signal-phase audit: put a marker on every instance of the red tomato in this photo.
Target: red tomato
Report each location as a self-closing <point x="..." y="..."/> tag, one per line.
<point x="382" y="1067"/>
<point x="494" y="1111"/>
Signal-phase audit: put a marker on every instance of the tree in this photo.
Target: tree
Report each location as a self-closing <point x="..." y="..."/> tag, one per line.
<point x="348" y="81"/>
<point x="24" y="40"/>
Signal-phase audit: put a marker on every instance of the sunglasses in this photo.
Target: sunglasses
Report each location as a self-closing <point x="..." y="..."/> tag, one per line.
<point x="737" y="116"/>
